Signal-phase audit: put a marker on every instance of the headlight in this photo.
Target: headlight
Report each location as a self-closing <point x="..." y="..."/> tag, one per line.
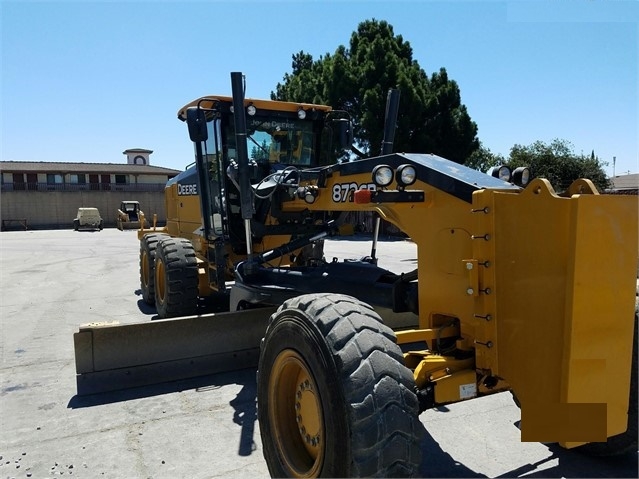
<point x="502" y="172"/>
<point x="382" y="175"/>
<point x="406" y="175"/>
<point x="521" y="176"/>
<point x="301" y="114"/>
<point x="251" y="110"/>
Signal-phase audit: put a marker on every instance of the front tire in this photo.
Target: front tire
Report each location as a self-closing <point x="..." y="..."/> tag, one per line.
<point x="334" y="396"/>
<point x="176" y="278"/>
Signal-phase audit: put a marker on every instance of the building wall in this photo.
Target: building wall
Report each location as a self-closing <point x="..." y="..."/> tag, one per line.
<point x="57" y="209"/>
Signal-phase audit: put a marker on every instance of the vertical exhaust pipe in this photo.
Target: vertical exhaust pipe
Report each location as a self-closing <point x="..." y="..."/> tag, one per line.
<point x="390" y="120"/>
<point x="246" y="197"/>
<point x="390" y="123"/>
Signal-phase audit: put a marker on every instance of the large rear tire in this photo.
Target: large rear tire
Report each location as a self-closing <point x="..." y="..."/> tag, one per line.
<point x="176" y="278"/>
<point x="626" y="441"/>
<point x="334" y="396"/>
<point x="148" y="247"/>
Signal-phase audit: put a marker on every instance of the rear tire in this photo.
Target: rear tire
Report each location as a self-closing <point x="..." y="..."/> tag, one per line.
<point x="176" y="278"/>
<point x="334" y="396"/>
<point x="148" y="247"/>
<point x="76" y="225"/>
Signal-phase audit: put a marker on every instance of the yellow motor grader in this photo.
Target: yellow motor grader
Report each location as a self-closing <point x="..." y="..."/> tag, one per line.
<point x="517" y="288"/>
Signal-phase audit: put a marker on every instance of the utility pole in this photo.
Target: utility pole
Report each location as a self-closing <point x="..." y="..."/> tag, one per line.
<point x="614" y="162"/>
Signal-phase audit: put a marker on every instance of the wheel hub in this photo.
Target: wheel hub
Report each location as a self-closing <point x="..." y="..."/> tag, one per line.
<point x="296" y="414"/>
<point x="307" y="415"/>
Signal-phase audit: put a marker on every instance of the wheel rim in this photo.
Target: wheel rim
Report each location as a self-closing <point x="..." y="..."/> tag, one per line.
<point x="145" y="269"/>
<point x="295" y="412"/>
<point x="160" y="285"/>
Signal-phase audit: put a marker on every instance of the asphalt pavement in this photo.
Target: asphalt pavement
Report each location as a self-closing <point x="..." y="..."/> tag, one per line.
<point x="51" y="282"/>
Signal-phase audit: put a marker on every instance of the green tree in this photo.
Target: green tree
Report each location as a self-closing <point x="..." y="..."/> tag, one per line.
<point x="357" y="78"/>
<point x="483" y="159"/>
<point x="261" y="153"/>
<point x="558" y="163"/>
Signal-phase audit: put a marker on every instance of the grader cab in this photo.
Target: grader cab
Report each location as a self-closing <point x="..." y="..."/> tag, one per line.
<point x="517" y="288"/>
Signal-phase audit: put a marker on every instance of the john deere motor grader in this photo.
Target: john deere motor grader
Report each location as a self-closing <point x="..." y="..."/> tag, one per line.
<point x="517" y="288"/>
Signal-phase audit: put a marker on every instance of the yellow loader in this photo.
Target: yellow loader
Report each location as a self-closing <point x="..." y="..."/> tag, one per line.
<point x="129" y="216"/>
<point x="517" y="288"/>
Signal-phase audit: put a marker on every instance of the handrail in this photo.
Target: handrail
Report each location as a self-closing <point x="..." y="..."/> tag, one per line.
<point x="5" y="187"/>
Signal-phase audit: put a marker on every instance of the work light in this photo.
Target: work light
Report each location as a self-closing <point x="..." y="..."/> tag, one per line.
<point x="382" y="175"/>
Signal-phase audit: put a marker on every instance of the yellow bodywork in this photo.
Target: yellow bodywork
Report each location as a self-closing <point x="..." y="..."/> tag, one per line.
<point x="184" y="212"/>
<point x="543" y="288"/>
<point x="184" y="220"/>
<point x="207" y="102"/>
<point x="563" y="281"/>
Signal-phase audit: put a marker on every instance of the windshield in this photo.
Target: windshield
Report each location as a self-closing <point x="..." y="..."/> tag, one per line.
<point x="285" y="141"/>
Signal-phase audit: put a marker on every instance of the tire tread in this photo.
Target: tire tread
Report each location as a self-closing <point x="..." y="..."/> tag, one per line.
<point x="180" y="263"/>
<point x="386" y="431"/>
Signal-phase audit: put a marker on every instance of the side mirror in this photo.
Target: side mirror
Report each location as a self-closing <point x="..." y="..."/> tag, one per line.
<point x="196" y="122"/>
<point x="344" y="133"/>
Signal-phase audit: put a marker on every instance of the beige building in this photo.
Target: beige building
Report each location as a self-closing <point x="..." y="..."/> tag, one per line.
<point x="39" y="194"/>
<point x="625" y="184"/>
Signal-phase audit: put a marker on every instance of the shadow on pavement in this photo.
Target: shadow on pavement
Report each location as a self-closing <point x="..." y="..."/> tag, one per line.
<point x="143" y="306"/>
<point x="245" y="414"/>
<point x="438" y="463"/>
<point x="571" y="463"/>
<point x="244" y="404"/>
<point x="435" y="461"/>
<point x="246" y="377"/>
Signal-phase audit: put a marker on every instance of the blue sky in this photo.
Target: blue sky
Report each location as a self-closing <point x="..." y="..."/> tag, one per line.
<point x="83" y="81"/>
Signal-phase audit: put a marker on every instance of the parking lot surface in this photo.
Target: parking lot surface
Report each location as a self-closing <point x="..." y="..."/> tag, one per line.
<point x="51" y="282"/>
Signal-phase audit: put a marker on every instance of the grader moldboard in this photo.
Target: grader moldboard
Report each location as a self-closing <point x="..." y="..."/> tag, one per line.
<point x="516" y="288"/>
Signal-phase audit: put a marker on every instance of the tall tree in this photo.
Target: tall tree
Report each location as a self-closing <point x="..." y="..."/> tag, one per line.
<point x="431" y="117"/>
<point x="483" y="159"/>
<point x="558" y="163"/>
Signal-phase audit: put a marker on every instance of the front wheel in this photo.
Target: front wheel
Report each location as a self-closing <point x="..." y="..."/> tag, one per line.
<point x="176" y="278"/>
<point x="334" y="396"/>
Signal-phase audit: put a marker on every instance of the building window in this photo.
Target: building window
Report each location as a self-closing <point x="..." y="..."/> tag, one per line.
<point x="79" y="179"/>
<point x="139" y="160"/>
<point x="53" y="180"/>
<point x="18" y="181"/>
<point x="32" y="181"/>
<point x="105" y="181"/>
<point x="120" y="179"/>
